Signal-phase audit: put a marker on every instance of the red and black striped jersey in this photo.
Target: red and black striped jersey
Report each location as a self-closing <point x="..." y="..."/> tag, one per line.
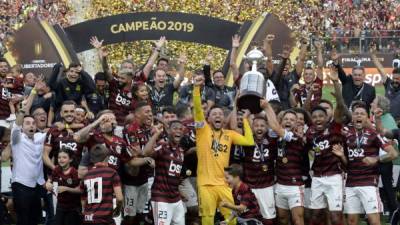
<point x="136" y="136"/>
<point x="57" y="140"/>
<point x="120" y="101"/>
<point x="361" y="144"/>
<point x="98" y="192"/>
<point x="169" y="162"/>
<point x="67" y="200"/>
<point x="244" y="196"/>
<point x="259" y="163"/>
<point x="292" y="163"/>
<point x="321" y="142"/>
<point x="117" y="147"/>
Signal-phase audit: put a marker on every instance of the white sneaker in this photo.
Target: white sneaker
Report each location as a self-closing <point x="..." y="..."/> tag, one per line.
<point x="11" y="118"/>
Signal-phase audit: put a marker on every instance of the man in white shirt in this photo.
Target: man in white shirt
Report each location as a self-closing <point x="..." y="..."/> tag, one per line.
<point x="27" y="171"/>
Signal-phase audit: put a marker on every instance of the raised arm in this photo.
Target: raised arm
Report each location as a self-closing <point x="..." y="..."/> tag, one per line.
<point x="83" y="134"/>
<point x="272" y="119"/>
<point x="181" y="70"/>
<point x="320" y="60"/>
<point x="268" y="52"/>
<point x="302" y="57"/>
<point x="341" y="73"/>
<point x="153" y="57"/>
<point x="247" y="138"/>
<point x="197" y="109"/>
<point x="102" y="55"/>
<point x="342" y="113"/>
<point x="277" y="79"/>
<point x="149" y="147"/>
<point x="379" y="66"/>
<point x="233" y="56"/>
<point x="207" y="70"/>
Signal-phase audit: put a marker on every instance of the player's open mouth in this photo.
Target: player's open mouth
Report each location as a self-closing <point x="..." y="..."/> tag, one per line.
<point x="259" y="132"/>
<point x="31" y="131"/>
<point x="287" y="126"/>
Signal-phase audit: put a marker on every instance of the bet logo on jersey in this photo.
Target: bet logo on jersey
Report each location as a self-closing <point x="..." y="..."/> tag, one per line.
<point x="121" y="100"/>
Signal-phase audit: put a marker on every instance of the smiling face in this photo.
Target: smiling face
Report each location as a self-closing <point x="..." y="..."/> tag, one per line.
<point x="231" y="180"/>
<point x="40" y="117"/>
<point x="142" y="93"/>
<point x="144" y="116"/>
<point x="168" y="117"/>
<point x="308" y="76"/>
<point x="68" y="113"/>
<point x="358" y="76"/>
<point x="176" y="132"/>
<point x="73" y="74"/>
<point x="289" y="121"/>
<point x="4" y="68"/>
<point x="163" y="65"/>
<point x="219" y="79"/>
<point x="216" y="118"/>
<point x="259" y="128"/>
<point x="29" y="126"/>
<point x="396" y="80"/>
<point x="359" y="117"/>
<point x="319" y="119"/>
<point x="64" y="160"/>
<point x="30" y="79"/>
<point x="160" y="78"/>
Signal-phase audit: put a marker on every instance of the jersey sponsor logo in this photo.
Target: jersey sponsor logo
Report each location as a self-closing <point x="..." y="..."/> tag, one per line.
<point x="174" y="169"/>
<point x="257" y="155"/>
<point x="322" y="145"/>
<point x="69" y="145"/>
<point x="113" y="160"/>
<point x="122" y="101"/>
<point x="356" y="153"/>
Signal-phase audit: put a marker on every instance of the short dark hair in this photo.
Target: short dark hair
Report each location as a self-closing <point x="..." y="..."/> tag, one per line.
<point x="218" y="71"/>
<point x="69" y="102"/>
<point x="235" y="170"/>
<point x="98" y="153"/>
<point x="327" y="102"/>
<point x="289" y="111"/>
<point x="318" y="108"/>
<point x="140" y="105"/>
<point x="181" y="110"/>
<point x="162" y="59"/>
<point x="73" y="65"/>
<point x="168" y="109"/>
<point x="260" y="118"/>
<point x="4" y="60"/>
<point x="67" y="151"/>
<point x="305" y="113"/>
<point x="173" y="122"/>
<point x="214" y="107"/>
<point x="100" y="76"/>
<point x="359" y="104"/>
<point x="358" y="68"/>
<point x="198" y="72"/>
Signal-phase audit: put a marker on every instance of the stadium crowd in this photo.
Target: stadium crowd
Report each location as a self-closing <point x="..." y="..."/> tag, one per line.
<point x="139" y="144"/>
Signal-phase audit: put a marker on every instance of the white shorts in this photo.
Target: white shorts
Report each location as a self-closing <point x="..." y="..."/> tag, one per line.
<point x="360" y="200"/>
<point x="188" y="191"/>
<point x="327" y="192"/>
<point x="289" y="197"/>
<point x="266" y="201"/>
<point x="307" y="198"/>
<point x="135" y="199"/>
<point x="168" y="213"/>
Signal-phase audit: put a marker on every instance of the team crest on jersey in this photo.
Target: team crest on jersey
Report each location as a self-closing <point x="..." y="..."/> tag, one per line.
<point x="118" y="149"/>
<point x="69" y="181"/>
<point x="265" y="142"/>
<point x="239" y="197"/>
<point x="226" y="137"/>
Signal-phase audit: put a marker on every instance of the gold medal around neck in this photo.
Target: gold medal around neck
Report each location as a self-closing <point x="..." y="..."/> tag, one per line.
<point x="188" y="173"/>
<point x="285" y="160"/>
<point x="265" y="168"/>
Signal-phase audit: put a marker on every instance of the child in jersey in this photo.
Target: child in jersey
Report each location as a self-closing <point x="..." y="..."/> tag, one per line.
<point x="246" y="207"/>
<point x="64" y="183"/>
<point x="99" y="187"/>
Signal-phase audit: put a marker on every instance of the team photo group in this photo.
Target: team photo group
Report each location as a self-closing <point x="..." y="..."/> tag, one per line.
<point x="293" y="137"/>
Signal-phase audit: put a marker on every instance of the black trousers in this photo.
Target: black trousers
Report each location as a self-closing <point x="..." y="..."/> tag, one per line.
<point x="386" y="171"/>
<point x="27" y="204"/>
<point x="67" y="217"/>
